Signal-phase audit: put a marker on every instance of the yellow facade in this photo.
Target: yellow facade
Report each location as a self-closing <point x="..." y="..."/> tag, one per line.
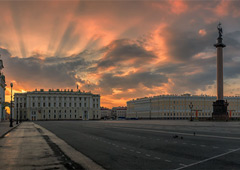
<point x="177" y="107"/>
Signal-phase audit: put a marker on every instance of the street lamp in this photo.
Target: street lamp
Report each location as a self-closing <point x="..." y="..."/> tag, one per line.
<point x="11" y="122"/>
<point x="191" y="106"/>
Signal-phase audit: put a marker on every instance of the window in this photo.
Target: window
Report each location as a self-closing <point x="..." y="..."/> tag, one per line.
<point x="33" y="104"/>
<point x="70" y="104"/>
<point x="54" y="116"/>
<point x="59" y="104"/>
<point x="49" y="104"/>
<point x="43" y="104"/>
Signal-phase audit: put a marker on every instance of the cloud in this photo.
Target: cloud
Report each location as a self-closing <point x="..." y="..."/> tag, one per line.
<point x="36" y="72"/>
<point x="125" y="51"/>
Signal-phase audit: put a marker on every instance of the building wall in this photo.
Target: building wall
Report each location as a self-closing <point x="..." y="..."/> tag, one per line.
<point x="106" y="113"/>
<point x="57" y="105"/>
<point x="119" y="112"/>
<point x="177" y="107"/>
<point x="2" y="96"/>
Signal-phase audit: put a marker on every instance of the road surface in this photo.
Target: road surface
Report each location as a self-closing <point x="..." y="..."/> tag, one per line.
<point x="153" y="144"/>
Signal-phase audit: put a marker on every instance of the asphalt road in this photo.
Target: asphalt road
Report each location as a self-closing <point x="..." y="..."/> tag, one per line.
<point x="154" y="144"/>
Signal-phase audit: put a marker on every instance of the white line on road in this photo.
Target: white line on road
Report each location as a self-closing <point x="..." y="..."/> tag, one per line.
<point x="167" y="160"/>
<point x="182" y="164"/>
<point x="184" y="143"/>
<point x="138" y="152"/>
<point x="215" y="147"/>
<point x="148" y="155"/>
<point x="123" y="148"/>
<point x="181" y="133"/>
<point x="208" y="159"/>
<point x="131" y="150"/>
<point x="157" y="158"/>
<point x="203" y="145"/>
<point x="193" y="144"/>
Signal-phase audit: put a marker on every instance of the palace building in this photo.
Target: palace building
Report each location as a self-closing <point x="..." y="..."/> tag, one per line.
<point x="57" y="105"/>
<point x="179" y="107"/>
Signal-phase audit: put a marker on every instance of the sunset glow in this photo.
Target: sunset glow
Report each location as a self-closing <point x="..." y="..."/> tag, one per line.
<point x="121" y="50"/>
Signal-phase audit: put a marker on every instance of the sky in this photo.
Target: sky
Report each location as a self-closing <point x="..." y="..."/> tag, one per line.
<point x="122" y="50"/>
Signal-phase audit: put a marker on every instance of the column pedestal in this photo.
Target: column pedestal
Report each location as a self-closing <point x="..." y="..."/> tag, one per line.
<point x="220" y="110"/>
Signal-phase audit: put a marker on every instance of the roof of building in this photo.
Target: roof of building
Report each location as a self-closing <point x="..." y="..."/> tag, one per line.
<point x="59" y="91"/>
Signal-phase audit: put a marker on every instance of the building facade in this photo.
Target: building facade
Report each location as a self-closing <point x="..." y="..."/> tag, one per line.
<point x="57" y="105"/>
<point x="2" y="93"/>
<point x="119" y="112"/>
<point x="106" y="113"/>
<point x="178" y="107"/>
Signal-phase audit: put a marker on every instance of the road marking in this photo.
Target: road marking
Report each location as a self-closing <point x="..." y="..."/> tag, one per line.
<point x="184" y="143"/>
<point x="148" y="155"/>
<point x="193" y="144"/>
<point x="167" y="160"/>
<point x="215" y="147"/>
<point x="208" y="159"/>
<point x="123" y="148"/>
<point x="179" y="133"/>
<point x="182" y="164"/>
<point x="138" y="152"/>
<point x="203" y="145"/>
<point x="131" y="150"/>
<point x="157" y="158"/>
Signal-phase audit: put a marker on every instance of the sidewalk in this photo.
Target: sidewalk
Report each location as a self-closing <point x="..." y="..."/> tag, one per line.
<point x="25" y="148"/>
<point x="4" y="127"/>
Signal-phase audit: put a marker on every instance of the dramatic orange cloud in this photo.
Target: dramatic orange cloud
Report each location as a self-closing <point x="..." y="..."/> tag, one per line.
<point x="118" y="49"/>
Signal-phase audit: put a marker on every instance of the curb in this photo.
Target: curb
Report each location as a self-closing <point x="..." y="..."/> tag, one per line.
<point x="4" y="134"/>
<point x="72" y="153"/>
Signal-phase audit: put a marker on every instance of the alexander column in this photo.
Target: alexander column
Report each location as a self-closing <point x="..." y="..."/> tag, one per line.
<point x="220" y="106"/>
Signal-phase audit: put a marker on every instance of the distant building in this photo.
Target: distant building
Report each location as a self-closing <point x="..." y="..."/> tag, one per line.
<point x="177" y="107"/>
<point x="57" y="105"/>
<point x="2" y="93"/>
<point x="119" y="112"/>
<point x="105" y="113"/>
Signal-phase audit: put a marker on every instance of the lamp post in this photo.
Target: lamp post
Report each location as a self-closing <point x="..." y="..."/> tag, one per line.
<point x="17" y="115"/>
<point x="191" y="106"/>
<point x="11" y="122"/>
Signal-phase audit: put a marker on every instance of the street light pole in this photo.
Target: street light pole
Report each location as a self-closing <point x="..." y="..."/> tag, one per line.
<point x="191" y="106"/>
<point x="11" y="122"/>
<point x="17" y="116"/>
